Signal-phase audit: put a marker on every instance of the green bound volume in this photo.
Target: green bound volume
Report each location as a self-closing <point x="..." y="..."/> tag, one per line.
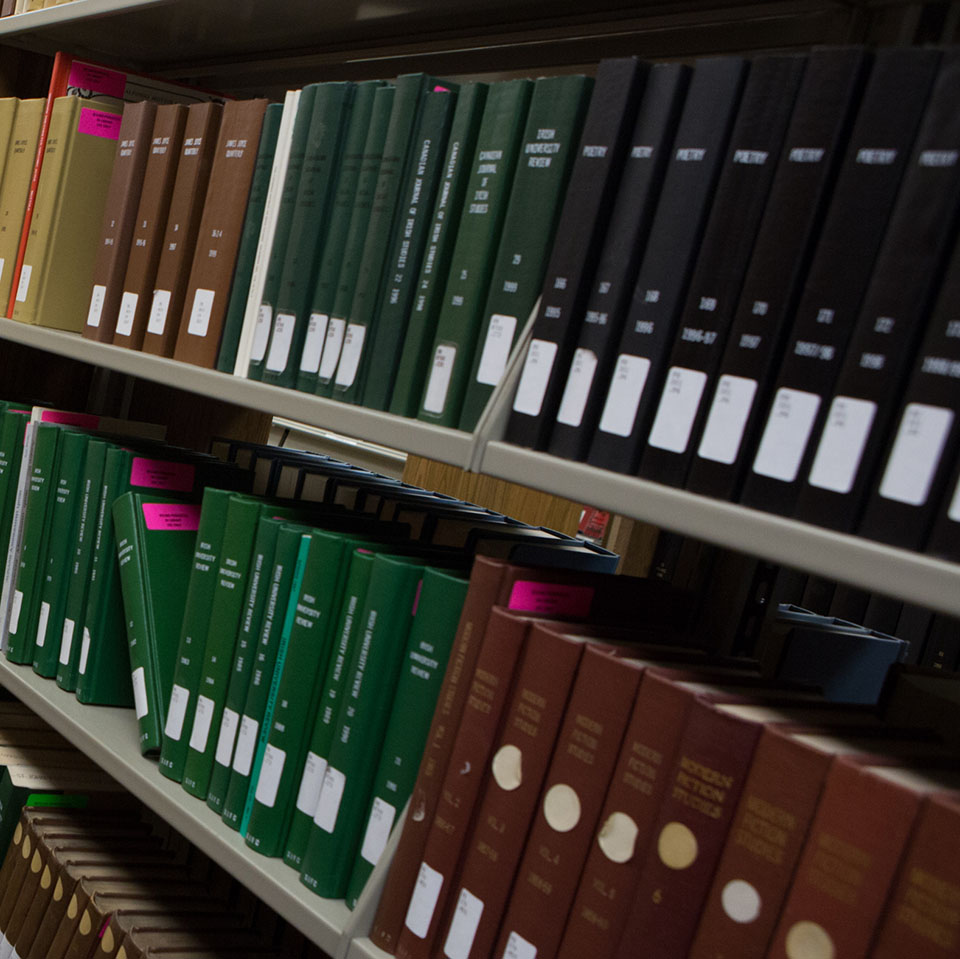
<point x="308" y="230"/>
<point x="233" y="323"/>
<point x="204" y="571"/>
<point x="13" y="423"/>
<point x="281" y="236"/>
<point x="339" y="338"/>
<point x="155" y="542"/>
<point x="325" y="286"/>
<point x="55" y="569"/>
<point x="385" y="216"/>
<point x="550" y="141"/>
<point x="368" y="696"/>
<point x="291" y="539"/>
<point x="310" y="775"/>
<point x="444" y="222"/>
<point x="471" y="264"/>
<point x="298" y="691"/>
<point x="424" y="664"/>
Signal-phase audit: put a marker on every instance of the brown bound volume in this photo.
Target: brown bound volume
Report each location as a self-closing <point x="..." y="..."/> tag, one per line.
<point x="119" y="214"/>
<point x="704" y="787"/>
<point x="849" y="861"/>
<point x="151" y="219"/>
<point x="180" y="232"/>
<point x="922" y="917"/>
<point x="583" y="762"/>
<point x="205" y="305"/>
<point x="517" y="768"/>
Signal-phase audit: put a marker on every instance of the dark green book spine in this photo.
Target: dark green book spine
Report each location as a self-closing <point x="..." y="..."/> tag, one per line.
<point x="471" y="266"/>
<point x="12" y="426"/>
<point x="308" y="229"/>
<point x="550" y="141"/>
<point x="325" y="287"/>
<point x="405" y="253"/>
<point x="443" y="225"/>
<point x="239" y="290"/>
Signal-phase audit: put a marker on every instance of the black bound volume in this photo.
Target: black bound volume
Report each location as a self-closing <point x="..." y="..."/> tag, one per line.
<point x="745" y="180"/>
<point x="867" y="186"/>
<point x="583" y="220"/>
<point x="901" y="292"/>
<point x="675" y="235"/>
<point x="906" y="492"/>
<point x="818" y="132"/>
<point x="585" y="377"/>
<point x="944" y="540"/>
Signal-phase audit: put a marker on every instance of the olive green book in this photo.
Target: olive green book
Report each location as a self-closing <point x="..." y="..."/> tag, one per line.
<point x="325" y="285"/>
<point x="557" y="110"/>
<point x="310" y="775"/>
<point x="471" y="264"/>
<point x="203" y="572"/>
<point x="371" y="681"/>
<point x="308" y="229"/>
<point x="155" y="539"/>
<point x="424" y="664"/>
<point x="351" y="253"/>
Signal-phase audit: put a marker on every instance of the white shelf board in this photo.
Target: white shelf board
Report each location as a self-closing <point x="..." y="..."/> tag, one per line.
<point x="895" y="572"/>
<point x="109" y="737"/>
<point x="397" y="432"/>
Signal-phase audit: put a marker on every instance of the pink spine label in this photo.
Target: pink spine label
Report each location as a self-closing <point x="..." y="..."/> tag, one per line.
<point x="99" y="123"/>
<point x="555" y="599"/>
<point x="184" y="516"/>
<point x="86" y="421"/>
<point x="87" y="77"/>
<point x="416" y="598"/>
<point x="161" y="474"/>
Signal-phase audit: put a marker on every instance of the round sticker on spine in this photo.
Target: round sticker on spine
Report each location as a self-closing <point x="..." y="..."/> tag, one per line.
<point x="561" y="806"/>
<point x="508" y="767"/>
<point x="809" y="940"/>
<point x="677" y="846"/>
<point x="618" y="837"/>
<point x="741" y="901"/>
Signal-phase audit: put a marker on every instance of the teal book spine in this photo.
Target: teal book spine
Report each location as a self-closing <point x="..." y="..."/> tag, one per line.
<point x="368" y="696"/>
<point x="557" y="110"/>
<point x="471" y="264"/>
<point x="325" y="286"/>
<point x="308" y="230"/>
<point x="249" y="237"/>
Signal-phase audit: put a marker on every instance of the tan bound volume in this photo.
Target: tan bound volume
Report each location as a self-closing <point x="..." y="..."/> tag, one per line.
<point x="214" y="258"/>
<point x="145" y="244"/>
<point x="183" y="221"/>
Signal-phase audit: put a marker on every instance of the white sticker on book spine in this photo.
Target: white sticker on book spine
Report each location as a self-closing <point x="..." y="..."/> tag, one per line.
<point x="423" y="900"/>
<point x="496" y="349"/>
<point x="534" y="378"/>
<point x="246" y="744"/>
<point x="280" y="344"/>
<point x="15" y="612"/>
<point x="623" y="397"/>
<point x="727" y="419"/>
<point x="331" y="348"/>
<point x="786" y="434"/>
<point x="84" y="650"/>
<point x="202" y="718"/>
<point x="916" y="453"/>
<point x="518" y="948"/>
<point x="844" y="438"/>
<point x="576" y="391"/>
<point x="226" y="737"/>
<point x="158" y="311"/>
<point x="128" y="310"/>
<point x="310" y="784"/>
<point x="678" y="407"/>
<point x="200" y="313"/>
<point x="313" y="343"/>
<point x="94" y="311"/>
<point x="331" y="795"/>
<point x="140" y="692"/>
<point x="441" y="370"/>
<point x="261" y="332"/>
<point x="350" y="355"/>
<point x="66" y="641"/>
<point x="176" y="712"/>
<point x="42" y="621"/>
<point x="463" y="926"/>
<point x="379" y="825"/>
<point x="268" y="782"/>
